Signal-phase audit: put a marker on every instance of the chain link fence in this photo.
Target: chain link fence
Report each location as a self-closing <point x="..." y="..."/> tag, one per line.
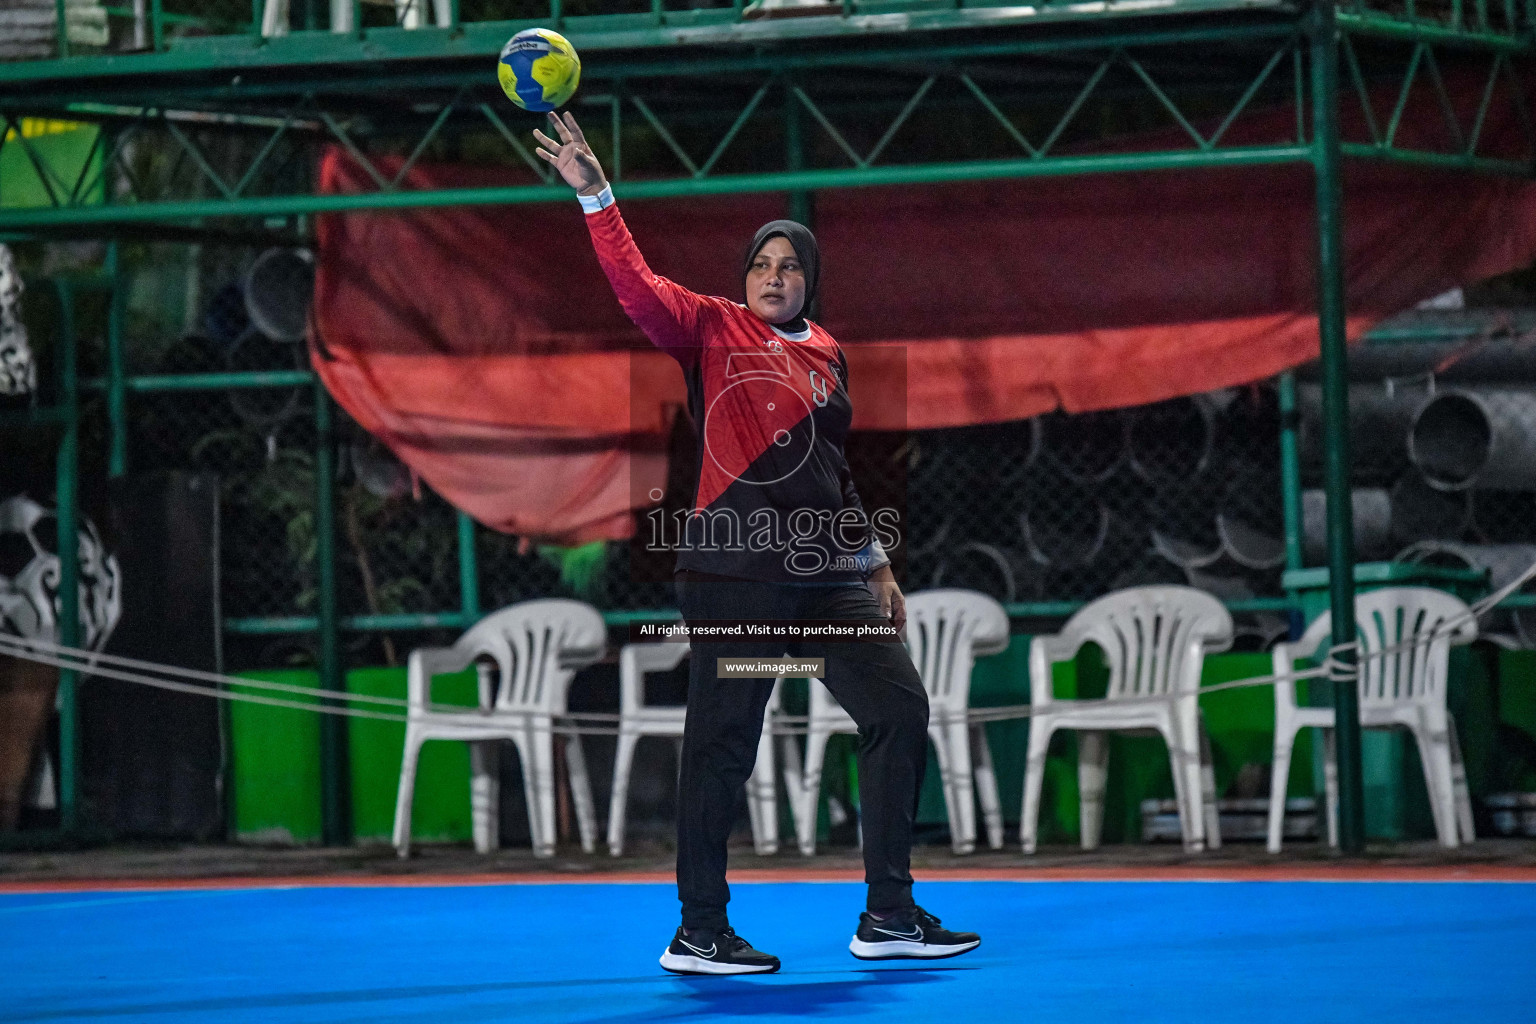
<point x="1055" y="509"/>
<point x="1444" y="449"/>
<point x="1065" y="508"/>
<point x="1042" y="514"/>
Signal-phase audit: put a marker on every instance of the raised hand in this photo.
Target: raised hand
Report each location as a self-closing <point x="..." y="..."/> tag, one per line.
<point x="571" y="156"/>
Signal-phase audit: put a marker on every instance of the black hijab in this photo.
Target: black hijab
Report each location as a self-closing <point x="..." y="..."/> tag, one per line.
<point x="804" y="243"/>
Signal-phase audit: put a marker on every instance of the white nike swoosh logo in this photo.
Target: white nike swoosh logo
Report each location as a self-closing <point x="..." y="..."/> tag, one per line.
<point x="917" y="934"/>
<point x="699" y="951"/>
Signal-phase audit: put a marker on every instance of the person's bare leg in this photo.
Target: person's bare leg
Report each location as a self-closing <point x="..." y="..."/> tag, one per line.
<point x="26" y="698"/>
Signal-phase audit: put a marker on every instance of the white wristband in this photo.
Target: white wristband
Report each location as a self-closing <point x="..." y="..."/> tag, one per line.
<point x="878" y="559"/>
<point x="601" y="201"/>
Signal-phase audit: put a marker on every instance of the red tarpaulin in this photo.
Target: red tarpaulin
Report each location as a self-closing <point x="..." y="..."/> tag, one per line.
<point x="484" y="346"/>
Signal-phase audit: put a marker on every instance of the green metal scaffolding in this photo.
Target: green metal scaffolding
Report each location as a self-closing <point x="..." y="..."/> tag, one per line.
<point x="683" y="92"/>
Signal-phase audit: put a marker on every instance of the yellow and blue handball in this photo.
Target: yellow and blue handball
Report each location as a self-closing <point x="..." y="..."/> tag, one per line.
<point x="539" y="69"/>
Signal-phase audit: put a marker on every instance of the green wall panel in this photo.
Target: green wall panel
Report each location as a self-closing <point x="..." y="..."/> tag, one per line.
<point x="275" y="751"/>
<point x="275" y="765"/>
<point x="1240" y="723"/>
<point x="1514" y="766"/>
<point x="440" y="811"/>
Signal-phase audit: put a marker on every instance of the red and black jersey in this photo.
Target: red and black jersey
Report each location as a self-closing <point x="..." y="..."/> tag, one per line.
<point x="775" y="500"/>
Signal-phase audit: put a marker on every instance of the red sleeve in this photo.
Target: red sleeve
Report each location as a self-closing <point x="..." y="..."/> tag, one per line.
<point x="668" y="313"/>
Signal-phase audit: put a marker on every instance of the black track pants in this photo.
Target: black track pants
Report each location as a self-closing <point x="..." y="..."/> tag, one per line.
<point x="874" y="681"/>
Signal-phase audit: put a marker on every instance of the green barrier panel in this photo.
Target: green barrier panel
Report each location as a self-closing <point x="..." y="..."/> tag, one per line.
<point x="440" y="812"/>
<point x="276" y="753"/>
<point x="275" y="765"/>
<point x="1512" y="768"/>
<point x="1240" y="723"/>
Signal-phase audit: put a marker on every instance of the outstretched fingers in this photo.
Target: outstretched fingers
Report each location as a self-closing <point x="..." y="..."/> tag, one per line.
<point x="564" y="132"/>
<point x="575" y="129"/>
<point x="571" y="156"/>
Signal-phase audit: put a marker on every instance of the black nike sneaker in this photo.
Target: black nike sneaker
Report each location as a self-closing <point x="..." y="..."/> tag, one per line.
<point x="910" y="934"/>
<point x="722" y="952"/>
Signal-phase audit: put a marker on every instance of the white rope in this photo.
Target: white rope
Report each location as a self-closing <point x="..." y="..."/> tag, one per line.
<point x="1341" y="669"/>
<point x="1337" y="667"/>
<point x="11" y="643"/>
<point x="1006" y="712"/>
<point x="222" y="687"/>
<point x="178" y="687"/>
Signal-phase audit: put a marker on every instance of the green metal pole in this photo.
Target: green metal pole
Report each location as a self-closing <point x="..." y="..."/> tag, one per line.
<point x="1326" y="160"/>
<point x="61" y="27"/>
<point x="26" y="219"/>
<point x="117" y="374"/>
<point x="67" y="496"/>
<point x="801" y="203"/>
<point x="616" y="123"/>
<point x="335" y="819"/>
<point x="224" y="380"/>
<point x="1290" y="472"/>
<point x="1290" y="498"/>
<point x="469" y="569"/>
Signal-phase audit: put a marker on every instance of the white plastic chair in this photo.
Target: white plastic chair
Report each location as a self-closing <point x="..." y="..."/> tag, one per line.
<point x="637" y="719"/>
<point x="1403" y="690"/>
<point x="408" y="14"/>
<point x="824" y="718"/>
<point x="1155" y="640"/>
<point x="536" y="647"/>
<point x="946" y="630"/>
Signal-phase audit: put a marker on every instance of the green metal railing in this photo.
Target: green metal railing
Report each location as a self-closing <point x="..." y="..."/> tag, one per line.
<point x="201" y="24"/>
<point x="712" y="145"/>
<point x="1318" y="49"/>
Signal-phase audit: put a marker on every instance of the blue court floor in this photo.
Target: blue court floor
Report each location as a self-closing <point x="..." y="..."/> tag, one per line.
<point x="1078" y="951"/>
